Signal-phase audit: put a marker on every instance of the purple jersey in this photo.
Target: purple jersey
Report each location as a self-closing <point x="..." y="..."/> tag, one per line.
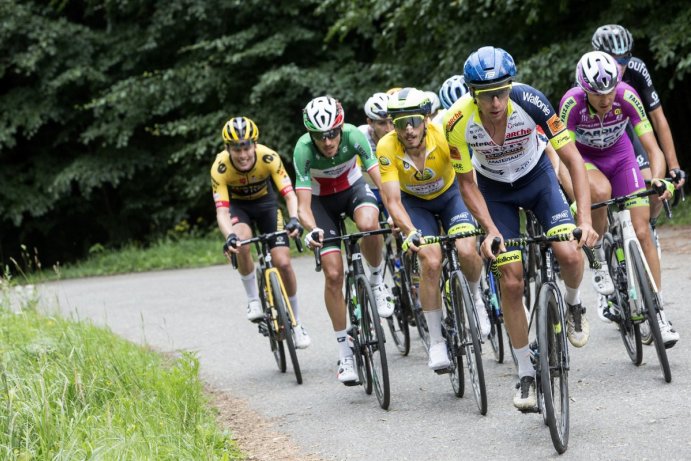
<point x="595" y="136"/>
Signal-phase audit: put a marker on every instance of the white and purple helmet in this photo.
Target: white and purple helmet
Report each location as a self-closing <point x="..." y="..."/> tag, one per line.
<point x="597" y="72"/>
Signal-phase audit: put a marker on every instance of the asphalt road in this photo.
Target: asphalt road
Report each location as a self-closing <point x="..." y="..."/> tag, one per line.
<point x="617" y="410"/>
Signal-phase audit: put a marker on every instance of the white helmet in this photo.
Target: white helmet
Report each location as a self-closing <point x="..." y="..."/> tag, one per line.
<point x="451" y="90"/>
<point x="375" y="107"/>
<point x="597" y="72"/>
<point x="322" y="114"/>
<point x="434" y="99"/>
<point x="613" y="39"/>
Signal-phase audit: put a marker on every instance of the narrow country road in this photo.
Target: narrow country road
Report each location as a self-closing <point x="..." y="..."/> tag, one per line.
<point x="618" y="410"/>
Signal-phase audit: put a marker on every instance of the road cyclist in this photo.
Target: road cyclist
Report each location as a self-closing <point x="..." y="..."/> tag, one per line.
<point x="498" y="120"/>
<point x="244" y="198"/>
<point x="328" y="183"/>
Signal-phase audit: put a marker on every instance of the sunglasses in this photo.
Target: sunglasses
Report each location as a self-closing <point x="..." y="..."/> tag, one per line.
<point x="321" y="136"/>
<point x="489" y="94"/>
<point x="401" y="123"/>
<point x="623" y="59"/>
<point x="240" y="144"/>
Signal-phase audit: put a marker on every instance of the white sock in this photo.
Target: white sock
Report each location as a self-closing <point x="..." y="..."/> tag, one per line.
<point x="572" y="296"/>
<point x="475" y="289"/>
<point x="344" y="349"/>
<point x="249" y="281"/>
<point x="294" y="304"/>
<point x="599" y="251"/>
<point x="525" y="365"/>
<point x="433" y="318"/>
<point x="376" y="273"/>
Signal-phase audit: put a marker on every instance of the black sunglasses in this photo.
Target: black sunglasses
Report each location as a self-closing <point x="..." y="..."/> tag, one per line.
<point x="239" y="144"/>
<point x="321" y="136"/>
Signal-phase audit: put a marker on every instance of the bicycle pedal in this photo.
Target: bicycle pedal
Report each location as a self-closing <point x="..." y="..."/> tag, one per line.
<point x="443" y="371"/>
<point x="534" y="409"/>
<point x="263" y="327"/>
<point x="351" y="383"/>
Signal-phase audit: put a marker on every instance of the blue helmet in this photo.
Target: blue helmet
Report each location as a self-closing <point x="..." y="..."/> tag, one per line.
<point x="488" y="66"/>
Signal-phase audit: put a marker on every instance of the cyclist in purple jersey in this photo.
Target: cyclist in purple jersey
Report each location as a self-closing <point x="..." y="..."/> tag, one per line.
<point x="596" y="114"/>
<point x="617" y="41"/>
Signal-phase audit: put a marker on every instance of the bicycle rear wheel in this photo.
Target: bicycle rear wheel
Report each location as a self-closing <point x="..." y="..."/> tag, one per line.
<point x="647" y="304"/>
<point x="553" y="365"/>
<point x="629" y="330"/>
<point x="280" y="303"/>
<point x="467" y="325"/>
<point x="398" y="325"/>
<point x="373" y="348"/>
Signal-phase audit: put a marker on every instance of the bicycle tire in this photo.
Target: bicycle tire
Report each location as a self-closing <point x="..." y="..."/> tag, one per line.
<point x="467" y="324"/>
<point x="496" y="337"/>
<point x="454" y="346"/>
<point x="398" y="325"/>
<point x="280" y="303"/>
<point x="374" y="349"/>
<point x="650" y="307"/>
<point x="554" y="366"/>
<point x="275" y="342"/>
<point x="628" y="328"/>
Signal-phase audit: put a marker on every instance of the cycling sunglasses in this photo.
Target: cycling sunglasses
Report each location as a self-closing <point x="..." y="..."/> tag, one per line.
<point x="321" y="136"/>
<point x="490" y="93"/>
<point x="623" y="59"/>
<point x="240" y="144"/>
<point x="402" y="123"/>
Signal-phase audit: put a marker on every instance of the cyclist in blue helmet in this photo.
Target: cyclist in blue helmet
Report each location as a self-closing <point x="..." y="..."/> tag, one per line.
<point x="507" y="126"/>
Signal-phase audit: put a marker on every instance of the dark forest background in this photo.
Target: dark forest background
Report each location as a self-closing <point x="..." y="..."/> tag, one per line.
<point x="111" y="111"/>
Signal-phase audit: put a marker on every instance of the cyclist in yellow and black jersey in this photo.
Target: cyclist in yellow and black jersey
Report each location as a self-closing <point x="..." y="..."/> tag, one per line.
<point x="244" y="198"/>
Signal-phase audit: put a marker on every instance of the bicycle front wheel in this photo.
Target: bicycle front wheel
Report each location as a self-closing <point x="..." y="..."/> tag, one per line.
<point x="398" y="324"/>
<point x="467" y="325"/>
<point x="284" y="325"/>
<point x="554" y="365"/>
<point x="490" y="296"/>
<point x="373" y="348"/>
<point x="648" y="304"/>
<point x="628" y="328"/>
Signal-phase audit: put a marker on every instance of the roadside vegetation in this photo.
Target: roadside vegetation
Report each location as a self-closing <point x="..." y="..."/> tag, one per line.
<point x="70" y="390"/>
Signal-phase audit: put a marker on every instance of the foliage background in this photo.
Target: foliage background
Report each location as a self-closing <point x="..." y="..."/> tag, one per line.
<point x="112" y="109"/>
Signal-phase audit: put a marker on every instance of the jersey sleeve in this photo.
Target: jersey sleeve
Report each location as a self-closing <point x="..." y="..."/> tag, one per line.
<point x="633" y="108"/>
<point x="219" y="187"/>
<point x="279" y="175"/>
<point x="363" y="149"/>
<point x="638" y="76"/>
<point x="567" y="115"/>
<point x="386" y="152"/>
<point x="453" y="124"/>
<point x="541" y="111"/>
<point x="302" y="158"/>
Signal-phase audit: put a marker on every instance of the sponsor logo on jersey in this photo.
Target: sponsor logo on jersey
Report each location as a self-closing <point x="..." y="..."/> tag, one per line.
<point x="566" y="108"/>
<point x="455" y="154"/>
<point x="222" y="168"/>
<point x="384" y="161"/>
<point x="518" y="133"/>
<point x="641" y="69"/>
<point x="555" y="124"/>
<point x="635" y="102"/>
<point x="536" y="101"/>
<point x="654" y="97"/>
<point x="268" y="158"/>
<point x="424" y="175"/>
<point x="560" y="216"/>
<point x="455" y="118"/>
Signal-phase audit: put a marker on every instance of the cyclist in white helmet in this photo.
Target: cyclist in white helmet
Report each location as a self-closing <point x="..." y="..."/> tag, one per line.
<point x="451" y="91"/>
<point x="378" y="124"/>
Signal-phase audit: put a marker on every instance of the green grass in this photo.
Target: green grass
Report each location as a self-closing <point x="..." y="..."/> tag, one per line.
<point x="681" y="215"/>
<point x="69" y="390"/>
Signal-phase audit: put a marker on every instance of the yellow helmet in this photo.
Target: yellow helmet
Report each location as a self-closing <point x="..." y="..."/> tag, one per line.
<point x="240" y="129"/>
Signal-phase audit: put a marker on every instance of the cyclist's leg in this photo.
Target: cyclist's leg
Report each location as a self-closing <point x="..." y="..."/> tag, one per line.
<point x="363" y="209"/>
<point x="643" y="164"/>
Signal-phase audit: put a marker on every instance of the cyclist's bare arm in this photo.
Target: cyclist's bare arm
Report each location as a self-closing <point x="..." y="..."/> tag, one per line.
<point x="391" y="194"/>
<point x="664" y="134"/>
<point x="569" y="155"/>
<point x="478" y="208"/>
<point x="657" y="158"/>
<point x="561" y="170"/>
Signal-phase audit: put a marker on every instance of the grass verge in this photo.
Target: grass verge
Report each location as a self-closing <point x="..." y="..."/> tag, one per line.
<point x="70" y="390"/>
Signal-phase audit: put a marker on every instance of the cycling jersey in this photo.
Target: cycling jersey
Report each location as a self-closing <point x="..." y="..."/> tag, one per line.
<point x="602" y="141"/>
<point x="249" y="185"/>
<point x="528" y="110"/>
<point x="325" y="176"/>
<point x="436" y="176"/>
<point x="595" y="136"/>
<point x="638" y="77"/>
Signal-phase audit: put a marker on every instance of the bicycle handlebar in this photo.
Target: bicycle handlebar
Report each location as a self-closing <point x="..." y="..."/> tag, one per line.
<point x="431" y="239"/>
<point x="264" y="238"/>
<point x="659" y="190"/>
<point x="340" y="238"/>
